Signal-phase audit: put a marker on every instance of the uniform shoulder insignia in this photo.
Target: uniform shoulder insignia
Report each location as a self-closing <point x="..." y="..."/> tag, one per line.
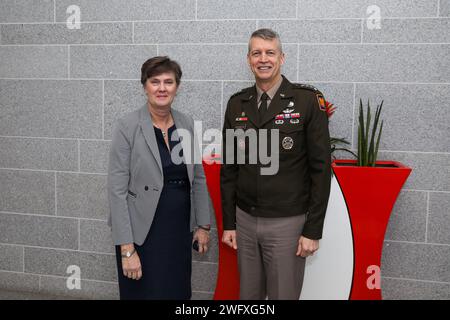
<point x="306" y="86"/>
<point x="319" y="95"/>
<point x="239" y="93"/>
<point x="321" y="101"/>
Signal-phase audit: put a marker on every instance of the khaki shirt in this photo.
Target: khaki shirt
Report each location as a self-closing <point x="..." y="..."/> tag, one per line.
<point x="271" y="92"/>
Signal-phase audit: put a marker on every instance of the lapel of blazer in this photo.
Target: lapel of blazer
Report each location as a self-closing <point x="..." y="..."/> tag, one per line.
<point x="189" y="146"/>
<point x="249" y="105"/>
<point x="145" y="121"/>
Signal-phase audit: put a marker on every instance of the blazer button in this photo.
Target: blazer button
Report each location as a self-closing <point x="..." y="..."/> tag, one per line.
<point x="146" y="188"/>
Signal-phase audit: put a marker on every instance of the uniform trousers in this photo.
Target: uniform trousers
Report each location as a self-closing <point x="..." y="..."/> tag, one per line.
<point x="268" y="266"/>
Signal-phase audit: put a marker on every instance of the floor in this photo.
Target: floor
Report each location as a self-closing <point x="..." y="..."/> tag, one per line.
<point x="21" y="295"/>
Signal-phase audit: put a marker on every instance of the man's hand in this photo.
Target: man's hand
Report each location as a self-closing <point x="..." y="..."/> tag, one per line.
<point x="307" y="247"/>
<point x="202" y="236"/>
<point x="229" y="238"/>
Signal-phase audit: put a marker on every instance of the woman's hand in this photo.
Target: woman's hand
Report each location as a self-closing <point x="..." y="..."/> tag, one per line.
<point x="202" y="236"/>
<point x="132" y="266"/>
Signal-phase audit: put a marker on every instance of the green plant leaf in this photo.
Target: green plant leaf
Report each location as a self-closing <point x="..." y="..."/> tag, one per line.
<point x="338" y="140"/>
<point x="379" y="135"/>
<point x="367" y="147"/>
<point x="360" y="155"/>
<point x="361" y="152"/>
<point x="366" y="135"/>
<point x="372" y="157"/>
<point x="378" y="141"/>
<point x="347" y="150"/>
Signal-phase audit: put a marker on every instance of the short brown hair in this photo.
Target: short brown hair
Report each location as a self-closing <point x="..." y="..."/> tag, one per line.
<point x="157" y="65"/>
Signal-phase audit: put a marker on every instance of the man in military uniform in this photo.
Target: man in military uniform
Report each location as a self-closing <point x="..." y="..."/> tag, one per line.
<point x="275" y="221"/>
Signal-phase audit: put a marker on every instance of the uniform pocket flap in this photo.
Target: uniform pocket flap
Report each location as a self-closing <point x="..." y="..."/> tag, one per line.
<point x="290" y="127"/>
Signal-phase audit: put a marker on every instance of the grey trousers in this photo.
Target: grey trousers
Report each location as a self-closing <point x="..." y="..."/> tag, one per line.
<point x="268" y="266"/>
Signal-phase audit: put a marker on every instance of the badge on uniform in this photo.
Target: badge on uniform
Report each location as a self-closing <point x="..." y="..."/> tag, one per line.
<point x="287" y="143"/>
<point x="242" y="117"/>
<point x="289" y="108"/>
<point x="321" y="101"/>
<point x="294" y="121"/>
<point x="287" y="116"/>
<point x="279" y="121"/>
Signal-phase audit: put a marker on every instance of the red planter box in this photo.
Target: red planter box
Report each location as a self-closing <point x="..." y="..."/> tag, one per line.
<point x="370" y="194"/>
<point x="227" y="285"/>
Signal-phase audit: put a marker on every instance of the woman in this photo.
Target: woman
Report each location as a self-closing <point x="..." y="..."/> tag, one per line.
<point x="155" y="203"/>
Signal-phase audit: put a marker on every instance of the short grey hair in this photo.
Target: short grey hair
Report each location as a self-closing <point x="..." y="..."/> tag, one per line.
<point x="266" y="34"/>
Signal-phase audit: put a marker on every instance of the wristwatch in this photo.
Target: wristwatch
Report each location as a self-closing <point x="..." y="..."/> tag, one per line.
<point x="128" y="253"/>
<point x="206" y="228"/>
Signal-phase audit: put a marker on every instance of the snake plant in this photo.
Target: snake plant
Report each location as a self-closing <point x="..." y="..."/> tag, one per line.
<point x="368" y="149"/>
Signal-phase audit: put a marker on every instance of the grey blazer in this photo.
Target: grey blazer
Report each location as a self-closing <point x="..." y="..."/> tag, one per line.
<point x="135" y="177"/>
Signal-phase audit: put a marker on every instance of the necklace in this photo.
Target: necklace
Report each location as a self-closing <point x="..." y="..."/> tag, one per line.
<point x="163" y="132"/>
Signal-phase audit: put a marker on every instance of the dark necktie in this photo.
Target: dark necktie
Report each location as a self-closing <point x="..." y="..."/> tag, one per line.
<point x="263" y="106"/>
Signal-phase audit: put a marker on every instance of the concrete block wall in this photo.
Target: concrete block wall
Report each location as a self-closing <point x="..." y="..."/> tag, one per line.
<point x="61" y="91"/>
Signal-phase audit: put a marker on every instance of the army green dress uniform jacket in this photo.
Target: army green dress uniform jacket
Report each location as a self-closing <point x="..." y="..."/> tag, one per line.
<point x="302" y="183"/>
